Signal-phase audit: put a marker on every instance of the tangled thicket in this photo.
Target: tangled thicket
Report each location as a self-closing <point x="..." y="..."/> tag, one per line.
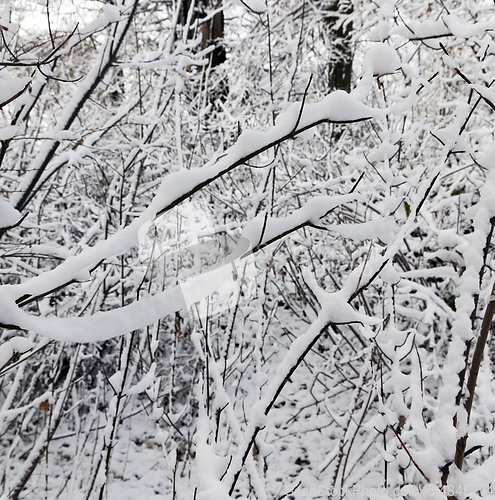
<point x="345" y="347"/>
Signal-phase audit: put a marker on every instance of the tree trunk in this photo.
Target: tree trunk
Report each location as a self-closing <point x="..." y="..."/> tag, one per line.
<point x="211" y="29"/>
<point x="339" y="29"/>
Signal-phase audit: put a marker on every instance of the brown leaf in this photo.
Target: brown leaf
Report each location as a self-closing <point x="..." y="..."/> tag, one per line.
<point x="44" y="405"/>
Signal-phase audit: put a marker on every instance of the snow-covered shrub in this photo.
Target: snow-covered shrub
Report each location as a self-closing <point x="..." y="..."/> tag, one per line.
<point x="353" y="232"/>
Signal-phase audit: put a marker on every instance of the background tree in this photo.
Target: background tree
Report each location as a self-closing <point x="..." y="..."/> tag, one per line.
<point x="206" y="19"/>
<point x="338" y="20"/>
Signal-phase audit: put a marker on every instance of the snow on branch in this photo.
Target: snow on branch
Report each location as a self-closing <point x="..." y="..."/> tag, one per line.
<point x="337" y="107"/>
<point x="105" y="325"/>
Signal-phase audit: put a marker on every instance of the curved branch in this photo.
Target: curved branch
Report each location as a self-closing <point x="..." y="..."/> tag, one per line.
<point x="85" y="90"/>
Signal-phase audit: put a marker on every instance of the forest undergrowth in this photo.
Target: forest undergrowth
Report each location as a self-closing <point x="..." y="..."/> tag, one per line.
<point x="231" y="280"/>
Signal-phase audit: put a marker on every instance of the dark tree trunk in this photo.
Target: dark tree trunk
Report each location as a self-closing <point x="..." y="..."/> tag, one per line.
<point x="211" y="29"/>
<point x="339" y="29"/>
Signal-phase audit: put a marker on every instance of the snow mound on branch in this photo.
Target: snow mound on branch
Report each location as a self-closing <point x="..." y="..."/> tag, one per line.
<point x="389" y="274"/>
<point x="261" y="230"/>
<point x="99" y="326"/>
<point x="9" y="348"/>
<point x="8" y="214"/>
<point x="380" y="228"/>
<point x="110" y="14"/>
<point x="488" y="159"/>
<point x="450" y="136"/>
<point x="448" y="238"/>
<point x="338" y="107"/>
<point x="210" y="467"/>
<point x="8" y="132"/>
<point x="462" y="29"/>
<point x="10" y="86"/>
<point x="384" y="152"/>
<point x="257" y="6"/>
<point x="335" y="306"/>
<point x="381" y="59"/>
<point x="380" y="32"/>
<point x="426" y="31"/>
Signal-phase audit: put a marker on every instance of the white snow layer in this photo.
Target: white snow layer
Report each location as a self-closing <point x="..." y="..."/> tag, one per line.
<point x="8" y="214"/>
<point x="257" y="6"/>
<point x="381" y="59"/>
<point x="9" y="348"/>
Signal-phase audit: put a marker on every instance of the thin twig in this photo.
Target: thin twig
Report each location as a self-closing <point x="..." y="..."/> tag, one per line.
<point x="357" y="182"/>
<point x="404" y="447"/>
<point x="302" y="107"/>
<point x="364" y="267"/>
<point x="468" y="81"/>
<point x="18" y="223"/>
<point x="473" y="374"/>
<point x="15" y="96"/>
<point x="430" y="187"/>
<point x="259" y="166"/>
